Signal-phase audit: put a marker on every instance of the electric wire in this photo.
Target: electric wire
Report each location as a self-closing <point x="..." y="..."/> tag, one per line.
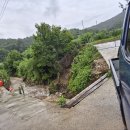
<point x="3" y="9"/>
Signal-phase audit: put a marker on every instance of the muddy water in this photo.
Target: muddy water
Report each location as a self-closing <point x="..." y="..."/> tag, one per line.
<point x="37" y="91"/>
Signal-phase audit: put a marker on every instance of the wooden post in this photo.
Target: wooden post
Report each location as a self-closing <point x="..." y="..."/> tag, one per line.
<point x="20" y="90"/>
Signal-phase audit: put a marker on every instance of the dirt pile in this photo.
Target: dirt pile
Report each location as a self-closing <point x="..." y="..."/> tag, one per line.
<point x="99" y="67"/>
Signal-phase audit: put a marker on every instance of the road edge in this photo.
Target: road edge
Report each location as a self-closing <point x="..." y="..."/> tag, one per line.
<point x="87" y="91"/>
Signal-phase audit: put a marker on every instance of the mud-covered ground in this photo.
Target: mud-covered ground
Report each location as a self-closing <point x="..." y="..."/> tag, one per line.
<point x="99" y="111"/>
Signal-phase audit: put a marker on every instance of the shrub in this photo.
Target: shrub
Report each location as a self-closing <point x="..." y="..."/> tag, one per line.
<point x="4" y="77"/>
<point x="24" y="67"/>
<point x="12" y="61"/>
<point x="53" y="88"/>
<point x="1" y="66"/>
<point x="73" y="46"/>
<point x="81" y="80"/>
<point x="28" y="71"/>
<point x="62" y="101"/>
<point x="86" y="38"/>
<point x="81" y="75"/>
<point x="109" y="74"/>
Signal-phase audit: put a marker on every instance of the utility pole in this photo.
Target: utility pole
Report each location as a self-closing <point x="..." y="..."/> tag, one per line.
<point x="83" y="24"/>
<point x="96" y="22"/>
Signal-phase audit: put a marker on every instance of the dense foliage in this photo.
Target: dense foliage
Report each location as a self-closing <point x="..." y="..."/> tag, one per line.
<point x="7" y="45"/>
<point x="4" y="75"/>
<point x="104" y="34"/>
<point x="61" y="101"/>
<point x="12" y="62"/>
<point x="3" y="54"/>
<point x="82" y="68"/>
<point x="41" y="61"/>
<point x="40" y="64"/>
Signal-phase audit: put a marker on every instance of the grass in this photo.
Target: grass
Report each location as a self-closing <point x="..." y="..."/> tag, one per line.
<point x="62" y="101"/>
<point x="81" y="70"/>
<point x="106" y="40"/>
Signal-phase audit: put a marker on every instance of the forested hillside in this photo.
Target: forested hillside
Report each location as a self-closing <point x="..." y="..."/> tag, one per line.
<point x="113" y="23"/>
<point x="6" y="45"/>
<point x="110" y="24"/>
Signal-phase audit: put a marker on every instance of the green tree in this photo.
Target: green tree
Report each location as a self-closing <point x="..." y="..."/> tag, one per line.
<point x="45" y="63"/>
<point x="3" y="54"/>
<point x="12" y="61"/>
<point x="48" y="47"/>
<point x="54" y="37"/>
<point x="86" y="38"/>
<point x="4" y="77"/>
<point x="28" y="53"/>
<point x="40" y="63"/>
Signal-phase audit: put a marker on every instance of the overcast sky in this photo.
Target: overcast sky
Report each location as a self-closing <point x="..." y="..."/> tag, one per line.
<point x="21" y="16"/>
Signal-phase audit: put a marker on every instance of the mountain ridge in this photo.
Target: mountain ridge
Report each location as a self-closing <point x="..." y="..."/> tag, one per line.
<point x="112" y="23"/>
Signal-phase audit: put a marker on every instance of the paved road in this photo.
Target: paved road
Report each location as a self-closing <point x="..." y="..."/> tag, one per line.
<point x="108" y="50"/>
<point x="98" y="111"/>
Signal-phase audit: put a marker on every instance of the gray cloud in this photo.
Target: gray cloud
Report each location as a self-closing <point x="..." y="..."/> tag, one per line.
<point x="20" y="17"/>
<point x="53" y="9"/>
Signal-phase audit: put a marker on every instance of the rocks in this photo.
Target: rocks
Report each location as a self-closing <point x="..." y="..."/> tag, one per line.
<point x="5" y="95"/>
<point x="37" y="91"/>
<point x="99" y="67"/>
<point x="54" y="97"/>
<point x="40" y="93"/>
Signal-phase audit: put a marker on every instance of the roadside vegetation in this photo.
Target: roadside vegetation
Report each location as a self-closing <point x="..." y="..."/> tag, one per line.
<point x="61" y="101"/>
<point x="4" y="76"/>
<point x="53" y="54"/>
<point x="82" y="67"/>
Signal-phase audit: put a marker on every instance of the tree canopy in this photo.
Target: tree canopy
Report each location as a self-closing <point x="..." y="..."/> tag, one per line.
<point x="41" y="59"/>
<point x="12" y="61"/>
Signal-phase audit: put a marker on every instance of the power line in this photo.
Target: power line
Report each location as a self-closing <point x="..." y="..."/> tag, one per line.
<point x="83" y="24"/>
<point x="6" y="3"/>
<point x="3" y="9"/>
